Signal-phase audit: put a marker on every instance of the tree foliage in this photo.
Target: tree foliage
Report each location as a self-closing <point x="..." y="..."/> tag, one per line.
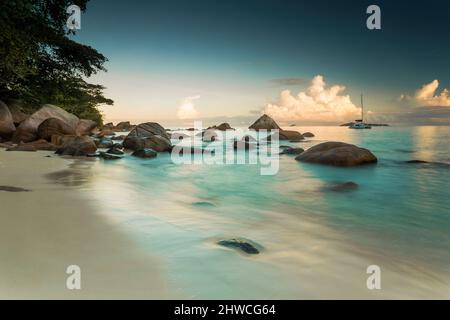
<point x="40" y="64"/>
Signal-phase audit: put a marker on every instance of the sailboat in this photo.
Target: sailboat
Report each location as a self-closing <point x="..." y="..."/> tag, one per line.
<point x="359" y="124"/>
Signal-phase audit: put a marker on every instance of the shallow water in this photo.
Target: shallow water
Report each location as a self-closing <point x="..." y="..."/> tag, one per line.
<point x="317" y="243"/>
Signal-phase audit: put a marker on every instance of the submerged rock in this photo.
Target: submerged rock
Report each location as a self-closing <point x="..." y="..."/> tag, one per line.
<point x="13" y="189"/>
<point x="240" y="244"/>
<point x="292" y="151"/>
<point x="108" y="156"/>
<point x="146" y="153"/>
<point x="243" y="145"/>
<point x="337" y="154"/>
<point x="342" y="187"/>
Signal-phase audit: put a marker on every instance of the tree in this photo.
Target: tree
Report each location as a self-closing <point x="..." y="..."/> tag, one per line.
<point x="40" y="64"/>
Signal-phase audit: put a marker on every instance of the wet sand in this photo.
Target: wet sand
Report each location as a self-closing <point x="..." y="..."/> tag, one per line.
<point x="49" y="226"/>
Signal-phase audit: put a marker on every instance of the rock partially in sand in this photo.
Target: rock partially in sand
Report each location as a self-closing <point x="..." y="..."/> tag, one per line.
<point x="23" y="147"/>
<point x="78" y="146"/>
<point x="7" y="127"/>
<point x="54" y="126"/>
<point x="239" y="244"/>
<point x="290" y="135"/>
<point x="13" y="189"/>
<point x="342" y="187"/>
<point x="145" y="153"/>
<point x="85" y="127"/>
<point x="28" y="129"/>
<point x="264" y="123"/>
<point x="292" y="151"/>
<point x="7" y="144"/>
<point x="308" y="134"/>
<point x="337" y="154"/>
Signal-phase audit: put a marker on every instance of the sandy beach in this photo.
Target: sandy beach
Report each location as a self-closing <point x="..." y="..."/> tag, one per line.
<point x="49" y="227"/>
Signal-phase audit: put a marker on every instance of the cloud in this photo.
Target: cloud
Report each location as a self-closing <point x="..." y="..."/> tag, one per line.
<point x="427" y="95"/>
<point x="187" y="110"/>
<point x="318" y="103"/>
<point x="290" y="81"/>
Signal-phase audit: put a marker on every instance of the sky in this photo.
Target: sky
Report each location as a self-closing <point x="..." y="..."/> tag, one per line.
<point x="302" y="62"/>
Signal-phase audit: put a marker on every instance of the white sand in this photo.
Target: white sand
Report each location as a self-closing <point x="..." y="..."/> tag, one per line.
<point x="45" y="230"/>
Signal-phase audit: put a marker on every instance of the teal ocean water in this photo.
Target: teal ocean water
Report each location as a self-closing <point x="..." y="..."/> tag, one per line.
<point x="317" y="243"/>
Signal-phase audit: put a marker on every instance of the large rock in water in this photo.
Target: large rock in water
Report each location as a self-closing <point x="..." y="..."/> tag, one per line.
<point x="54" y="126"/>
<point x="7" y="127"/>
<point x="148" y="135"/>
<point x="28" y="129"/>
<point x="267" y="123"/>
<point x="264" y="122"/>
<point x="337" y="154"/>
<point x="77" y="146"/>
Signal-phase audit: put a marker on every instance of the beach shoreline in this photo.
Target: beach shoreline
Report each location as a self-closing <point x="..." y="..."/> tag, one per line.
<point x="49" y="226"/>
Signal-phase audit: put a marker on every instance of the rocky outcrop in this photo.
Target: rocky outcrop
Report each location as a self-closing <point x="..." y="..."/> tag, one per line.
<point x="85" y="127"/>
<point x="290" y="135"/>
<point x="264" y="122"/>
<point x="156" y="142"/>
<point x="28" y="129"/>
<point x="54" y="126"/>
<point x="145" y="153"/>
<point x="267" y="123"/>
<point x="124" y="126"/>
<point x="337" y="154"/>
<point x="7" y="127"/>
<point x="148" y="135"/>
<point x="222" y="127"/>
<point x="77" y="146"/>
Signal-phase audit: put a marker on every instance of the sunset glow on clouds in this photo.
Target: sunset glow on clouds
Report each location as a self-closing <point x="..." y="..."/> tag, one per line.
<point x="187" y="108"/>
<point x="427" y="95"/>
<point x="318" y="102"/>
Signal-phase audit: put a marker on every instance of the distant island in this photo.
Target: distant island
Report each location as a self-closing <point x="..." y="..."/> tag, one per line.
<point x="348" y="124"/>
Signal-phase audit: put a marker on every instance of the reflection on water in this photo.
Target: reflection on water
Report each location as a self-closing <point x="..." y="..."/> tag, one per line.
<point x="318" y="243"/>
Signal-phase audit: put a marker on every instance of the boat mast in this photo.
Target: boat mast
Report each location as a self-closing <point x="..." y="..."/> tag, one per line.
<point x="362" y="109"/>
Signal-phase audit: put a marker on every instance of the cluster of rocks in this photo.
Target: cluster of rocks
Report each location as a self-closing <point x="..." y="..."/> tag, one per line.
<point x="54" y="129"/>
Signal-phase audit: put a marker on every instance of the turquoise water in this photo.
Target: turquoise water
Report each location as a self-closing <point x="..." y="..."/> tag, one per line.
<point x="317" y="243"/>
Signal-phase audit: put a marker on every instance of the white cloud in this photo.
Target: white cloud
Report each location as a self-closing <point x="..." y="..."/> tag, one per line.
<point x="318" y="103"/>
<point x="187" y="110"/>
<point x="427" y="95"/>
